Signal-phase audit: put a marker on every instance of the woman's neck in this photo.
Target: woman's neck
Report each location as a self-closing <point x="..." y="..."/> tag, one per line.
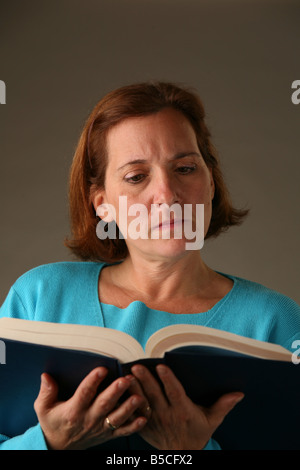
<point x="163" y="279"/>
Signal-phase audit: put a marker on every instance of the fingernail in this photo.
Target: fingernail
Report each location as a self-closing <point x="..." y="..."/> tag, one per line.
<point x="45" y="382"/>
<point x="122" y="385"/>
<point x="162" y="370"/>
<point x="131" y="378"/>
<point x="238" y="399"/>
<point x="134" y="401"/>
<point x="141" y="421"/>
<point x="101" y="373"/>
<point x="138" y="370"/>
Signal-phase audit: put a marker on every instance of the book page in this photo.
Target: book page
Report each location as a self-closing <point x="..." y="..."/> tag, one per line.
<point x="176" y="336"/>
<point x="99" y="340"/>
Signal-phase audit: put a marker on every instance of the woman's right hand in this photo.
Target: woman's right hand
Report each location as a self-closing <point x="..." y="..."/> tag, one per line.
<point x="80" y="422"/>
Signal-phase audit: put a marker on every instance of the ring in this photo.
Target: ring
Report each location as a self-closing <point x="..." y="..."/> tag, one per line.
<point x="148" y="408"/>
<point x="112" y="427"/>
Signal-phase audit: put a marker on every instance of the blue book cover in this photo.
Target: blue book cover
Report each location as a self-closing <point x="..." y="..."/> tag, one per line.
<point x="267" y="418"/>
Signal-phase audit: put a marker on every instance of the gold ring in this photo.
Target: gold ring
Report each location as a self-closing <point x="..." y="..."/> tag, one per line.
<point x="112" y="427"/>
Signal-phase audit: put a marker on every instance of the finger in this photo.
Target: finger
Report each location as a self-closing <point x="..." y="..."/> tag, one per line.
<point x="130" y="428"/>
<point x="47" y="395"/>
<point x="173" y="388"/>
<point x="136" y="389"/>
<point x="86" y="391"/>
<point x="108" y="399"/>
<point x="120" y="416"/>
<point x="151" y="387"/>
<point x="217" y="412"/>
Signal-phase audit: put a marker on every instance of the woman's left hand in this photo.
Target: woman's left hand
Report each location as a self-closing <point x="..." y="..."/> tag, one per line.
<point x="176" y="422"/>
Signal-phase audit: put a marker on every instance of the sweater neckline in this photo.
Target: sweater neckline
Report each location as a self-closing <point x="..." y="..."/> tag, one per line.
<point x="137" y="303"/>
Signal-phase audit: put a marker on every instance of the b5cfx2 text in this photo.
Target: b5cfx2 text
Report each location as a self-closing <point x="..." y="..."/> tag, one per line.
<point x="170" y="459"/>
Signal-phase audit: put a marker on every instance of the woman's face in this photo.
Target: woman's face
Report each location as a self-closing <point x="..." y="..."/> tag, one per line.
<point x="155" y="161"/>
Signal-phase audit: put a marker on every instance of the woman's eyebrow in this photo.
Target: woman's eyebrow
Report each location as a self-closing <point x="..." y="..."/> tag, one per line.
<point x="175" y="157"/>
<point x="132" y="162"/>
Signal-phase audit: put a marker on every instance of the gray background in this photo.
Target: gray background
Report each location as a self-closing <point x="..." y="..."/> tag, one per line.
<point x="59" y="57"/>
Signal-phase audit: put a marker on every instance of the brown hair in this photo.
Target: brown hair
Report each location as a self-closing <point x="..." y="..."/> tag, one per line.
<point x="90" y="161"/>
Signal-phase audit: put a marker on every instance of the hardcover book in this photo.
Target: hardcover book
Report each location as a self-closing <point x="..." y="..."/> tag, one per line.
<point x="208" y="362"/>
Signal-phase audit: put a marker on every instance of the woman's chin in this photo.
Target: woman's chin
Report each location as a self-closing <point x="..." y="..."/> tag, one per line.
<point x="166" y="248"/>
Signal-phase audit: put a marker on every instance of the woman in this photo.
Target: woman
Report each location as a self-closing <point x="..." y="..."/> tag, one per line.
<point x="149" y="144"/>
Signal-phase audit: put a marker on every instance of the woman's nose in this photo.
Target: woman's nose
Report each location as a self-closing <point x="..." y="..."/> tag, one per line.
<point x="164" y="190"/>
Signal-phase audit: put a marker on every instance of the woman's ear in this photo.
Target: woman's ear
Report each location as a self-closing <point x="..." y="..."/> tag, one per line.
<point x="102" y="208"/>
<point x="97" y="198"/>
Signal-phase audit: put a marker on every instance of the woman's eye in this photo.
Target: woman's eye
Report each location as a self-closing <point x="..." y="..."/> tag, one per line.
<point x="186" y="169"/>
<point x="139" y="177"/>
<point x="135" y="178"/>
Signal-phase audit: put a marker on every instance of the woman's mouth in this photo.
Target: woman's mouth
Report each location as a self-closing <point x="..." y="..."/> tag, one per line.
<point x="168" y="224"/>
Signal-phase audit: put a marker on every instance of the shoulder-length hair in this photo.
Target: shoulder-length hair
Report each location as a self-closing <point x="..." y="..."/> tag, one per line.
<point x="90" y="162"/>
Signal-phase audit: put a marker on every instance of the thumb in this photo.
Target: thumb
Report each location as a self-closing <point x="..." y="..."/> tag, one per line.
<point x="218" y="411"/>
<point x="47" y="395"/>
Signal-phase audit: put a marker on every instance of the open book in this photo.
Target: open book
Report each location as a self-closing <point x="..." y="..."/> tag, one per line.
<point x="208" y="363"/>
<point x="125" y="348"/>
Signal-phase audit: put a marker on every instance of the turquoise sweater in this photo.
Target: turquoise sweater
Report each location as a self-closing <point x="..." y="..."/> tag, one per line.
<point x="68" y="293"/>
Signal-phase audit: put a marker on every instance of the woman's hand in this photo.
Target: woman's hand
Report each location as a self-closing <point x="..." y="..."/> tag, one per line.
<point x="176" y="422"/>
<point x="81" y="422"/>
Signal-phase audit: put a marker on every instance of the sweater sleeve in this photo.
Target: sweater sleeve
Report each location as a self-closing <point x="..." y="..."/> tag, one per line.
<point x="32" y="439"/>
<point x="212" y="445"/>
<point x="13" y="306"/>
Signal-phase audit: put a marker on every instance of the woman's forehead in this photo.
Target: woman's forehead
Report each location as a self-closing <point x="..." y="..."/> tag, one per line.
<point x="166" y="133"/>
